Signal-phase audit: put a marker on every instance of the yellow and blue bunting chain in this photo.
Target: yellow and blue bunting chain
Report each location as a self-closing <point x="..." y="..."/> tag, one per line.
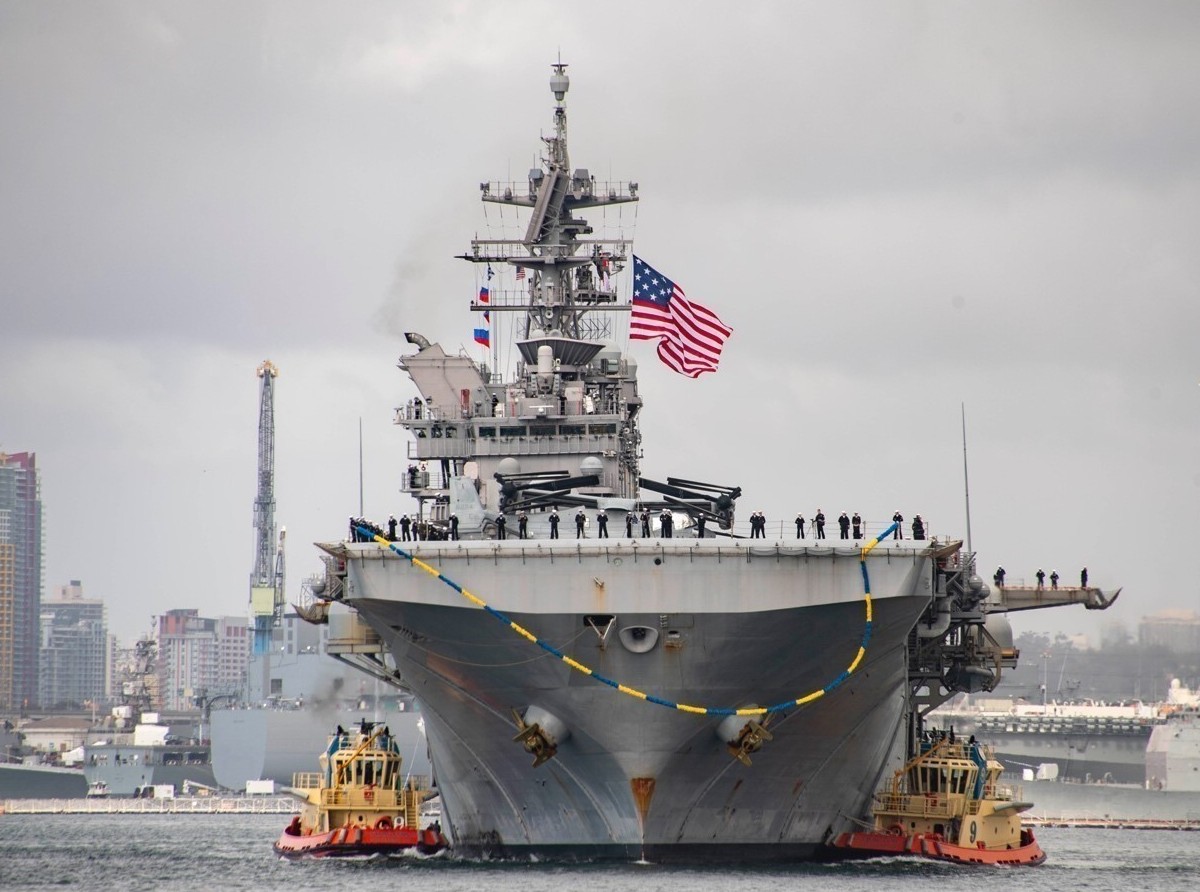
<point x="641" y="695"/>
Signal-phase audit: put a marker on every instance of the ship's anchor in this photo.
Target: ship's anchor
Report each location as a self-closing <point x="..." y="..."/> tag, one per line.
<point x="537" y="742"/>
<point x="749" y="740"/>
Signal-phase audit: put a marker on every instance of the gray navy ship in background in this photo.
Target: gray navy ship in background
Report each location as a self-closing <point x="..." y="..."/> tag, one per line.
<point x="273" y="737"/>
<point x="690" y="695"/>
<point x="142" y="751"/>
<point x="133" y="751"/>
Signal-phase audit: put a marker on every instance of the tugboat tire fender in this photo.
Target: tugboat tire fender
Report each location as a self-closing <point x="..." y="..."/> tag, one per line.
<point x="384" y="823"/>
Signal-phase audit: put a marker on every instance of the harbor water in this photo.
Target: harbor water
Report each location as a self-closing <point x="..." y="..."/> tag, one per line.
<point x="225" y="852"/>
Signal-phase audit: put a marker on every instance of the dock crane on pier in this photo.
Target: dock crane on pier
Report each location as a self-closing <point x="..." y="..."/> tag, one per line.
<point x="267" y="578"/>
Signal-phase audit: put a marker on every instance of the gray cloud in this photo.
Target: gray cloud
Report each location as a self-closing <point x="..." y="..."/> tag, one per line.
<point x="899" y="207"/>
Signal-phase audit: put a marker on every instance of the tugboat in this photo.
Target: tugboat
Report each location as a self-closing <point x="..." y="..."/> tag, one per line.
<point x="358" y="804"/>
<point x="947" y="804"/>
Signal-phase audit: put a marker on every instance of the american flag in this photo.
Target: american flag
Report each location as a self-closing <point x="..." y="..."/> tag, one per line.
<point x="690" y="336"/>
<point x="520" y="273"/>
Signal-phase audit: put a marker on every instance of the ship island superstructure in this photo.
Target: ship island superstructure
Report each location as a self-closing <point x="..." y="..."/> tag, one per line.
<point x="682" y="695"/>
<point x="564" y="431"/>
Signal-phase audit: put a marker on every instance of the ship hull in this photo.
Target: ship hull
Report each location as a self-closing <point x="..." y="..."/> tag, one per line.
<point x="1116" y="756"/>
<point x="127" y="769"/>
<point x="1057" y="801"/>
<point x="41" y="782"/>
<point x="275" y="744"/>
<point x="358" y="842"/>
<point x="872" y="844"/>
<point x="630" y="778"/>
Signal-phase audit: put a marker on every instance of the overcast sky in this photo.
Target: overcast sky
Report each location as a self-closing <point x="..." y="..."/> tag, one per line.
<point x="900" y="208"/>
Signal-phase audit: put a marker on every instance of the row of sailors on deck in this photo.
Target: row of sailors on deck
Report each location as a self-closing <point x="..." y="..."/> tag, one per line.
<point x="633" y="522"/>
<point x="846" y="525"/>
<point x="411" y="528"/>
<point x="998" y="578"/>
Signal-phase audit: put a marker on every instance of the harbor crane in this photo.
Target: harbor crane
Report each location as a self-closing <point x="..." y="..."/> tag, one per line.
<point x="267" y="578"/>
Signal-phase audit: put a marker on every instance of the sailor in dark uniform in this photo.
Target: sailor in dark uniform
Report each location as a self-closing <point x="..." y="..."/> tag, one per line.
<point x="1083" y="578"/>
<point x="799" y="526"/>
<point x="500" y="524"/>
<point x="602" y="525"/>
<point x="998" y="577"/>
<point x="391" y="527"/>
<point x="580" y="520"/>
<point x="918" y="527"/>
<point x="819" y="523"/>
<point x="554" y="523"/>
<point x="454" y="527"/>
<point x="522" y="524"/>
<point x="645" y="518"/>
<point x="405" y="525"/>
<point x="844" y="525"/>
<point x="1041" y="578"/>
<point x="898" y="518"/>
<point x="1053" y="579"/>
<point x="666" y="522"/>
<point x="856" y="525"/>
<point x="700" y="527"/>
<point x="629" y="524"/>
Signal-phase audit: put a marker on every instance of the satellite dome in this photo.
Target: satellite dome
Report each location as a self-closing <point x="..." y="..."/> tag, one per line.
<point x="591" y="465"/>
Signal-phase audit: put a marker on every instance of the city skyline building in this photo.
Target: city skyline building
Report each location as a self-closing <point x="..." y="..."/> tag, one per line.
<point x="200" y="656"/>
<point x="1175" y="630"/>
<point x="20" y="579"/>
<point x="75" y="656"/>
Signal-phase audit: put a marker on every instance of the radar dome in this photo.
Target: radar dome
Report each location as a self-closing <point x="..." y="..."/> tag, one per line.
<point x="559" y="83"/>
<point x="506" y="467"/>
<point x="591" y="465"/>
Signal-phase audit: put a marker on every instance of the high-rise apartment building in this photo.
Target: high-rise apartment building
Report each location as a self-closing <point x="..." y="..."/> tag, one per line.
<point x="20" y="579"/>
<point x="200" y="656"/>
<point x="74" y="654"/>
<point x="1175" y="630"/>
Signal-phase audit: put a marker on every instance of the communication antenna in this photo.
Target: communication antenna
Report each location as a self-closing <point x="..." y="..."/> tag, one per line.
<point x="966" y="479"/>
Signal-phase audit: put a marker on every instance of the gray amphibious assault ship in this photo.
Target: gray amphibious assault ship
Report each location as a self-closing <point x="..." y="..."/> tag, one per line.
<point x="700" y="696"/>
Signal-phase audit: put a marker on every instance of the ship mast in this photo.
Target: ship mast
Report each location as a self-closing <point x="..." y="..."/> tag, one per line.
<point x="561" y="427"/>
<point x="569" y="274"/>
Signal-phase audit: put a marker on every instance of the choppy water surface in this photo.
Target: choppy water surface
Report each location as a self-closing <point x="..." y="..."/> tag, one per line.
<point x="219" y="852"/>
